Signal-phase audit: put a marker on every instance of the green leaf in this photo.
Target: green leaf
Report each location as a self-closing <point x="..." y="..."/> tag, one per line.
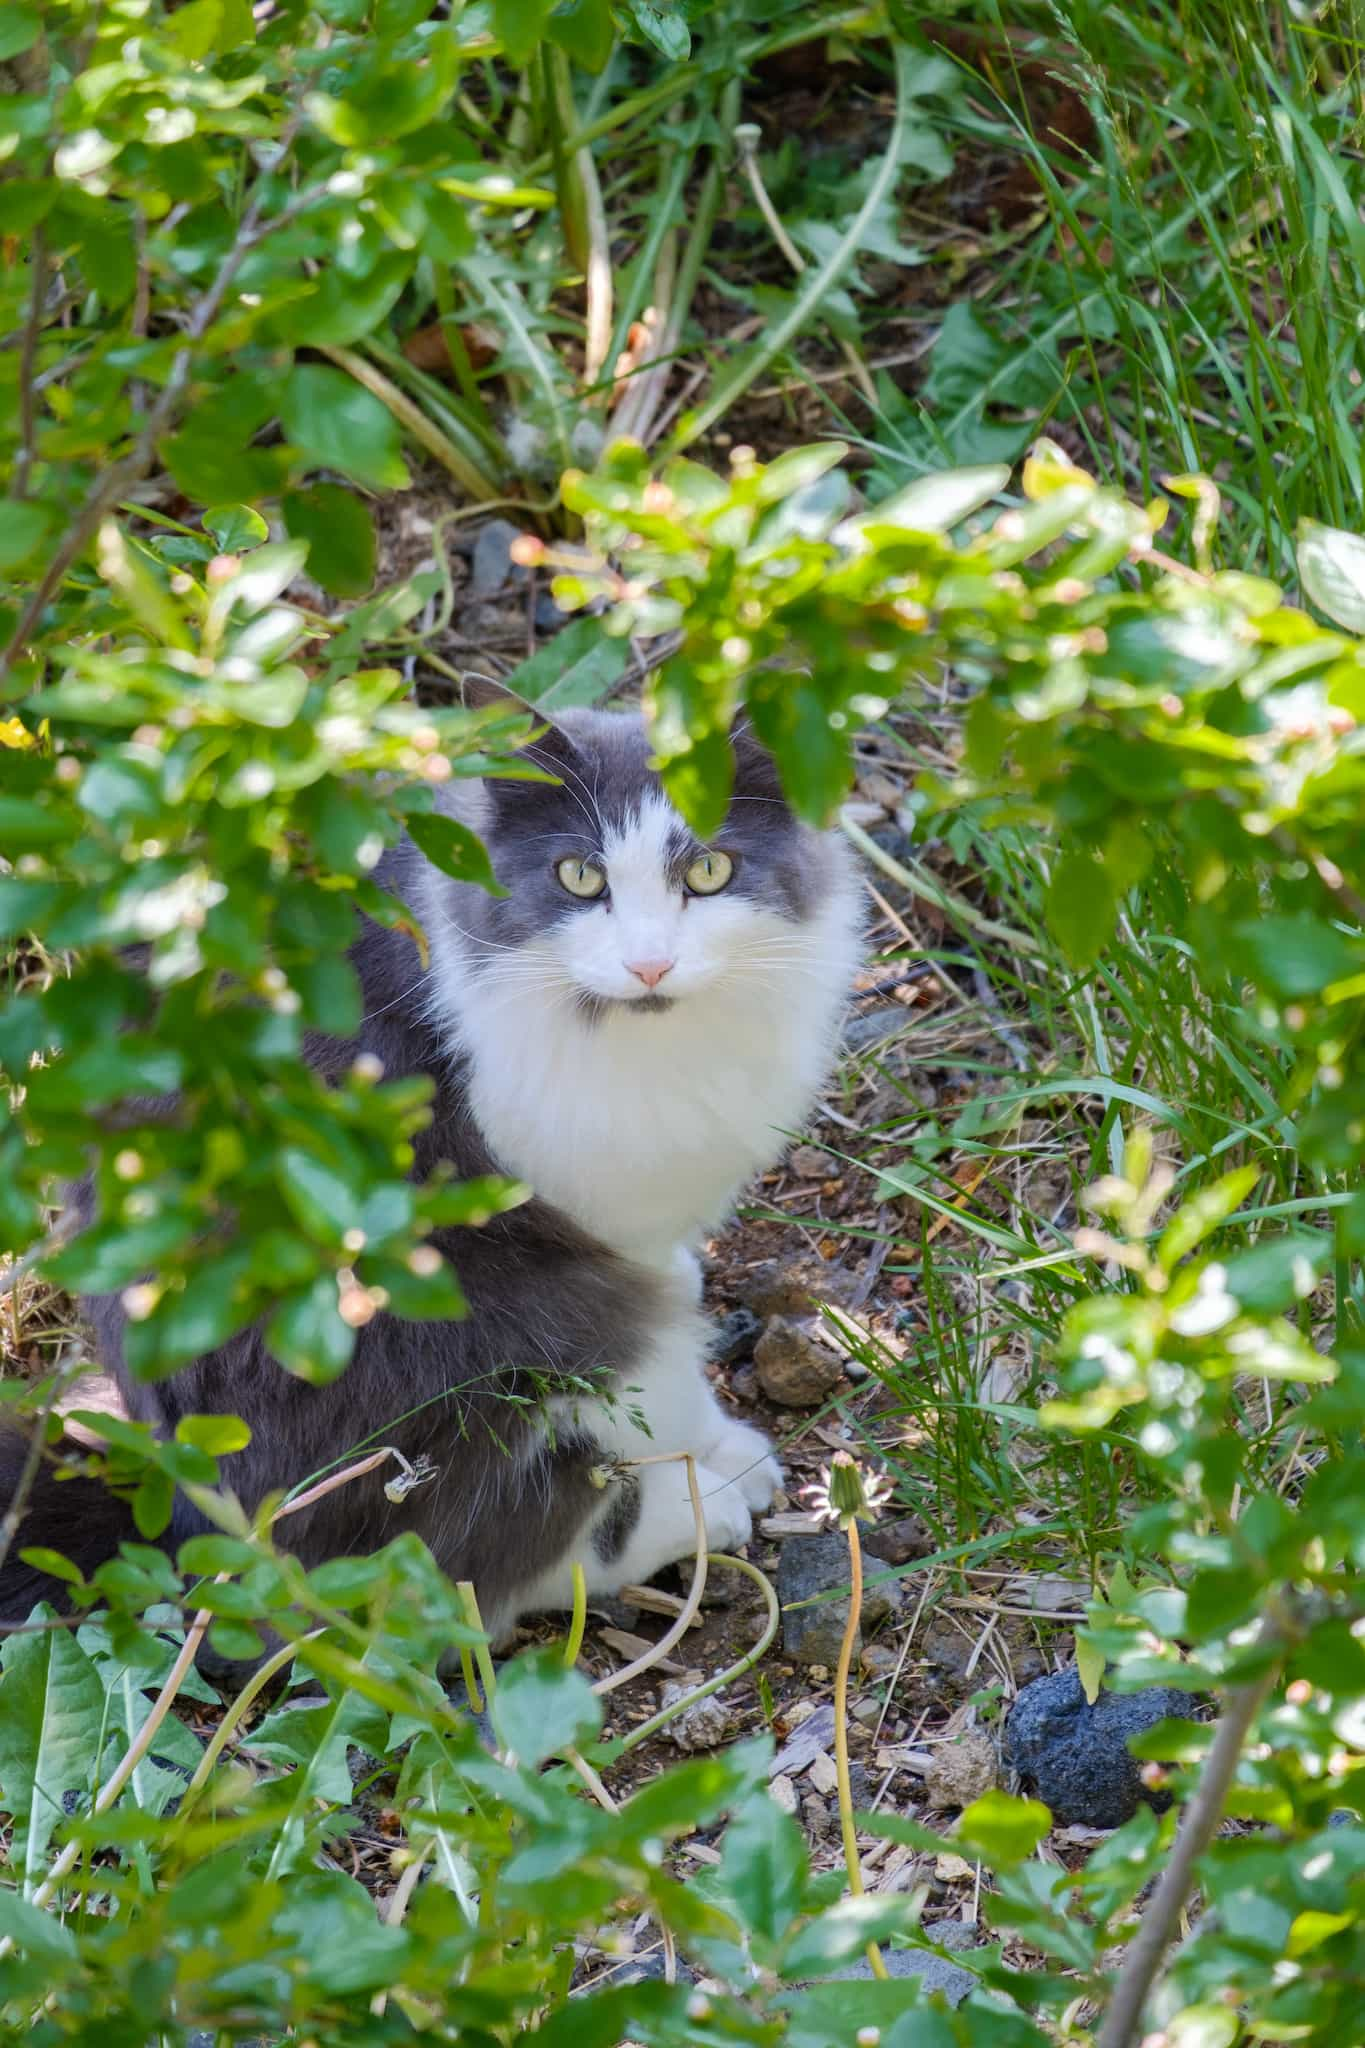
<point x="343" y="309"/>
<point x="578" y="666"/>
<point x="1081" y="907"/>
<point x="24" y="526"/>
<point x="338" y="425"/>
<point x="36" y="1932"/>
<point x="340" y="534"/>
<point x="1296" y="956"/>
<point x="323" y="1200"/>
<point x="1002" y="1829"/>
<point x="235" y="527"/>
<point x="306" y="1333"/>
<point x="51" y="1729"/>
<point x="1091" y="1664"/>
<point x="764" y="1867"/>
<point x="519" y="26"/>
<point x="664" y="26"/>
<point x="20" y="28"/>
<point x="218" y="1435"/>
<point x="934" y="504"/>
<point x="454" y="849"/>
<point x="584" y="29"/>
<point x="541" y="1707"/>
<point x="1332" y="566"/>
<point x="1202" y="1214"/>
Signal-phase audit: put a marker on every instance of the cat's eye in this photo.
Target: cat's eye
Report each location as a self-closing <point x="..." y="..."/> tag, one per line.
<point x="709" y="873"/>
<point x="582" y="878"/>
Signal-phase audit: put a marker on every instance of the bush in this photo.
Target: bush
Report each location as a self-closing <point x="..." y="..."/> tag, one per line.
<point x="199" y="764"/>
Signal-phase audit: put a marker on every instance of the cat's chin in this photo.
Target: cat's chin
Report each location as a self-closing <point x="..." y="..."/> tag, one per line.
<point x="597" y="1008"/>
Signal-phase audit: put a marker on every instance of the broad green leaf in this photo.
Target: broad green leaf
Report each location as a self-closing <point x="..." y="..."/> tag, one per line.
<point x="324" y="1200"/>
<point x="1332" y="565"/>
<point x="453" y="848"/>
<point x="519" y="26"/>
<point x="1202" y="1214"/>
<point x="764" y="1866"/>
<point x="663" y="25"/>
<point x="583" y="28"/>
<point x="541" y="1707"/>
<point x="20" y="28"/>
<point x="24" y="526"/>
<point x="235" y="527"/>
<point x="340" y="534"/>
<point x="1081" y="907"/>
<point x="578" y="666"/>
<point x="1002" y="1829"/>
<point x="306" y="1333"/>
<point x="51" y="1727"/>
<point x="338" y="425"/>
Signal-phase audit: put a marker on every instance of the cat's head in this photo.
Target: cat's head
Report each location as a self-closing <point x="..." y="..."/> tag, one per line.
<point x="613" y="900"/>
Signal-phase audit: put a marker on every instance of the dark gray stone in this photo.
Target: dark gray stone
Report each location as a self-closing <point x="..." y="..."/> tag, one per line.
<point x="935" y="1973"/>
<point x="819" y="1564"/>
<point x="734" y="1336"/>
<point x="1074" y="1756"/>
<point x="794" y="1366"/>
<point x="899" y="1541"/>
<point x="493" y="573"/>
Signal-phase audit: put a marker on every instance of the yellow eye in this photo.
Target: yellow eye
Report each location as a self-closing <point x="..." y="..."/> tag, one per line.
<point x="709" y="873"/>
<point x="581" y="878"/>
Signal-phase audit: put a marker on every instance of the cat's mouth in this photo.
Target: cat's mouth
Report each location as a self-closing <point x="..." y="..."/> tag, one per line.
<point x="597" y="1008"/>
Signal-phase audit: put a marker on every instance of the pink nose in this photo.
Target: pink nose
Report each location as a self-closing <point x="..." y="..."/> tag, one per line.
<point x="650" y="972"/>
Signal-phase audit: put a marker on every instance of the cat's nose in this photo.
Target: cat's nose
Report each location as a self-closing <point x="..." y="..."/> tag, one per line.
<point x="650" y="972"/>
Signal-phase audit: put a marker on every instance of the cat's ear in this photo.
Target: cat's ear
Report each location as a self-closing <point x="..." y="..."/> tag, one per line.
<point x="756" y="775"/>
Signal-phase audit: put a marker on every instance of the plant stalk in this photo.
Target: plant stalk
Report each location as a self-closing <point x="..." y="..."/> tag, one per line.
<point x="846" y="1827"/>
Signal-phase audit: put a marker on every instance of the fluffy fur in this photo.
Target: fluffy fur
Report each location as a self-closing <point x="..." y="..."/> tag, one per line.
<point x="636" y="1107"/>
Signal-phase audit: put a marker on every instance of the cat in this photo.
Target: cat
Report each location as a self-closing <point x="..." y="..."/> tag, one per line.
<point x="633" y="1028"/>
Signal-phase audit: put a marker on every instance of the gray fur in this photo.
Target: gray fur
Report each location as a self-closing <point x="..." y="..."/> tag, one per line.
<point x="551" y="1308"/>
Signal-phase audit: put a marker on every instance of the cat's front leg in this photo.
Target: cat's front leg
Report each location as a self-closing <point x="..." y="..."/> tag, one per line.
<point x="680" y="1411"/>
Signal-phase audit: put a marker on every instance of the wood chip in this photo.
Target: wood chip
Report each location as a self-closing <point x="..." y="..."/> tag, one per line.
<point x="778" y="1527"/>
<point x="630" y="1647"/>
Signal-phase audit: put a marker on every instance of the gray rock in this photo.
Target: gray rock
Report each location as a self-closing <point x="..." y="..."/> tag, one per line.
<point x="789" y="1287"/>
<point x="734" y="1336"/>
<point x="875" y="1027"/>
<point x="492" y="572"/>
<point x="819" y="1564"/>
<point x="899" y="1541"/>
<point x="805" y="1743"/>
<point x="936" y="1973"/>
<point x="702" y="1726"/>
<point x="1075" y="1758"/>
<point x="794" y="1367"/>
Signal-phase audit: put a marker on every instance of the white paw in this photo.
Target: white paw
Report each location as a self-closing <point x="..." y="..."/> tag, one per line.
<point x="729" y="1522"/>
<point x="745" y="1457"/>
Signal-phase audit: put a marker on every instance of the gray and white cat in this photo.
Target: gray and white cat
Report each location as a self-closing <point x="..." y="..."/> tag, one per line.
<point x="632" y="1029"/>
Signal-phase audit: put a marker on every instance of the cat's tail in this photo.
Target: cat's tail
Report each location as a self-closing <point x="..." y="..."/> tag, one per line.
<point x="75" y="1515"/>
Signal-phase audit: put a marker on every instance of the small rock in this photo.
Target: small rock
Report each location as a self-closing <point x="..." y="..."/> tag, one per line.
<point x="877" y="786"/>
<point x="491" y="568"/>
<point x="874" y="1027"/>
<point x="819" y="1564"/>
<point x="734" y="1336"/>
<point x="814" y="1733"/>
<point x="787" y="1287"/>
<point x="793" y="1367"/>
<point x="704" y="1725"/>
<point x="860" y="1786"/>
<point x="899" y="1541"/>
<point x="784" y="1792"/>
<point x="817" y="1816"/>
<point x="950" y="1869"/>
<point x="961" y="1771"/>
<point x="946" y="1650"/>
<point x="823" y="1775"/>
<point x="744" y="1384"/>
<point x="1075" y="1757"/>
<point x="934" y="1972"/>
<point x="810" y="1162"/>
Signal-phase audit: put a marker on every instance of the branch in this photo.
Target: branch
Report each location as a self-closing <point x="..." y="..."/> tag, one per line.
<point x="28" y="356"/>
<point x="1197" y="1826"/>
<point x="117" y="481"/>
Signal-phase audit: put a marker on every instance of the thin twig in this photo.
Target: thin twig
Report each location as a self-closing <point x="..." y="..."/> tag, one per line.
<point x="116" y="481"/>
<point x="1197" y="1827"/>
<point x="28" y="356"/>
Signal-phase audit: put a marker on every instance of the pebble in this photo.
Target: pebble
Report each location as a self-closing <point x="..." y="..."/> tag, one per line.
<point x="793" y="1367"/>
<point x="819" y="1564"/>
<point x="961" y="1771"/>
<point x="823" y="1774"/>
<point x="935" y="1973"/>
<point x="814" y="1733"/>
<point x="1074" y="1756"/>
<point x="787" y="1287"/>
<point x="899" y="1541"/>
<point x="812" y="1162"/>
<point x="783" y="1792"/>
<point x="733" y="1336"/>
<point x="702" y="1726"/>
